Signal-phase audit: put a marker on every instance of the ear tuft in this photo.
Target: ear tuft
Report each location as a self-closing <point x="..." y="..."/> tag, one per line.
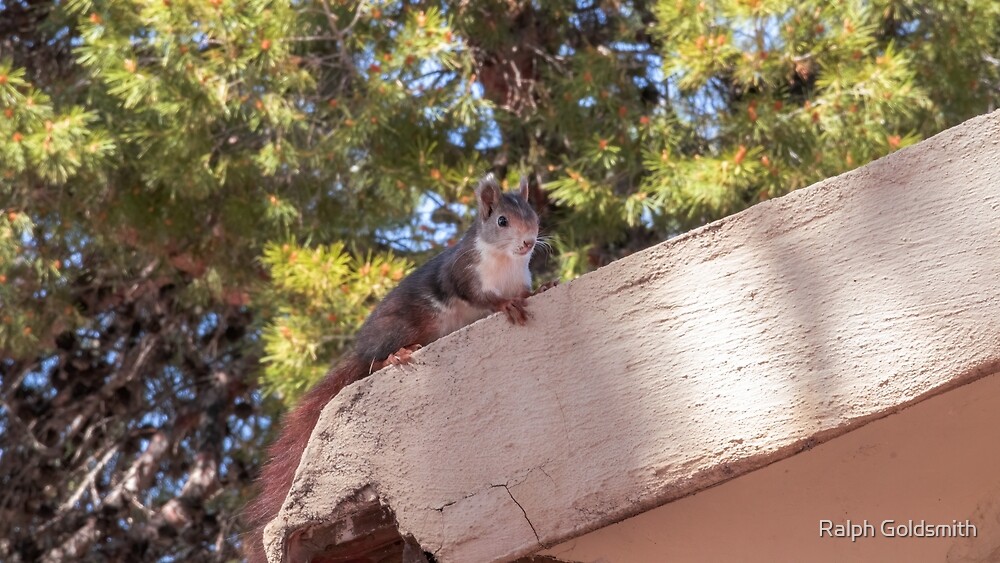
<point x="488" y="194"/>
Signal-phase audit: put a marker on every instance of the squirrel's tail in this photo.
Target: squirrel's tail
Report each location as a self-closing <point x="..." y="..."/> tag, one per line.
<point x="285" y="453"/>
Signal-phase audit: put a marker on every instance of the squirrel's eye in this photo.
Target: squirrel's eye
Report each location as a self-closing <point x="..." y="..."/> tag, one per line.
<point x="502" y="221"/>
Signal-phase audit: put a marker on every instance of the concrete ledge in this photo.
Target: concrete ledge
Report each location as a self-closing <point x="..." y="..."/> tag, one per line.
<point x="932" y="463"/>
<point x="680" y="367"/>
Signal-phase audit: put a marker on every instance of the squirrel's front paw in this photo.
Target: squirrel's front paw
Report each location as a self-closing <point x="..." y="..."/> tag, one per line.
<point x="546" y="286"/>
<point x="516" y="310"/>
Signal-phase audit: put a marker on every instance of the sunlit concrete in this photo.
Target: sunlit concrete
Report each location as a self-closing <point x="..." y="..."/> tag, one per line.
<point x="934" y="463"/>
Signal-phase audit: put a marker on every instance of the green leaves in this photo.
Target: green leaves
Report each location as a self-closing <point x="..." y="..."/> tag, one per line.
<point x="36" y="138"/>
<point x="771" y="96"/>
<point x="16" y="330"/>
<point x="320" y="297"/>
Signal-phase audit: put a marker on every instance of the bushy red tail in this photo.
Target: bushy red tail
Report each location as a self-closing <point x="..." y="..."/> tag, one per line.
<point x="285" y="453"/>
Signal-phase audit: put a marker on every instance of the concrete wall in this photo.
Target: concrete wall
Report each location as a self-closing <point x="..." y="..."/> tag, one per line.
<point x="714" y="354"/>
<point x="936" y="461"/>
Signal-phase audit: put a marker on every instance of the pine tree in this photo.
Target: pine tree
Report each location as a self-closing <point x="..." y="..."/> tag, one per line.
<point x="200" y="201"/>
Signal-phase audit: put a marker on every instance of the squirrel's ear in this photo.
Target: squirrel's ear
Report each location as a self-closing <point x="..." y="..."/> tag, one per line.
<point x="488" y="195"/>
<point x="523" y="189"/>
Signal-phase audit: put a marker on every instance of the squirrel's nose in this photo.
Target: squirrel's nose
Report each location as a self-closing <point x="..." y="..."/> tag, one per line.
<point x="528" y="243"/>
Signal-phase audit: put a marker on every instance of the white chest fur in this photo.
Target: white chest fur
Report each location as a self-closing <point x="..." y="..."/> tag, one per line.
<point x="503" y="273"/>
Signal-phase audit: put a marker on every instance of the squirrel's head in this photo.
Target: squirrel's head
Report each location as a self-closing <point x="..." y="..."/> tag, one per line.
<point x="506" y="220"/>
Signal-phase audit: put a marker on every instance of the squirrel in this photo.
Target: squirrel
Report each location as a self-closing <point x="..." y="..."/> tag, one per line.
<point x="485" y="272"/>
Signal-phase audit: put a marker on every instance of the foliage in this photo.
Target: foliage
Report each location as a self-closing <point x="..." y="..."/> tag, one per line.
<point x="200" y="201"/>
<point x="320" y="295"/>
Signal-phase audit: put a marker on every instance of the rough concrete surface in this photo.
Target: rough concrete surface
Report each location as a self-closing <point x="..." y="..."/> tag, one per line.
<point x="677" y="368"/>
<point x="935" y="463"/>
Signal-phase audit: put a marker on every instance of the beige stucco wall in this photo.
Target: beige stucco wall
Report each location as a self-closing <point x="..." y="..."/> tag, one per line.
<point x="937" y="461"/>
<point x="678" y="368"/>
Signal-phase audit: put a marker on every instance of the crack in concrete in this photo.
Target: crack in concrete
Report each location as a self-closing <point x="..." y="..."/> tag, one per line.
<point x="506" y="487"/>
<point x="546" y="473"/>
<point x="450" y="503"/>
<point x="526" y="519"/>
<point x="445" y="505"/>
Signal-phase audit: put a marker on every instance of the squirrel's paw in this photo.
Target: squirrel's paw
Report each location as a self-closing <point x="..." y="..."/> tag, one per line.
<point x="546" y="286"/>
<point x="403" y="356"/>
<point x="400" y="357"/>
<point x="516" y="310"/>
